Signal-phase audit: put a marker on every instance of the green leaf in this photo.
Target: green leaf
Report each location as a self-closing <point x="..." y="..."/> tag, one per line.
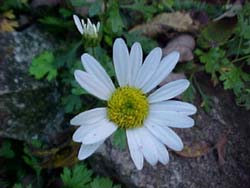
<point x="217" y="33"/>
<point x="36" y="143"/>
<point x="6" y="150"/>
<point x="169" y="3"/>
<point x="213" y="61"/>
<point x="95" y="8"/>
<point x="206" y="100"/>
<point x="207" y="103"/>
<point x="243" y="99"/>
<point x="78" y="91"/>
<point x="31" y="160"/>
<point x="71" y="103"/>
<point x="59" y="23"/>
<point x="79" y="3"/>
<point x="147" y="43"/>
<point x="119" y="138"/>
<point x="4" y="183"/>
<point x="66" y="13"/>
<point x="78" y="177"/>
<point x="211" y="9"/>
<point x="10" y="4"/>
<point x="67" y="57"/>
<point x="234" y="79"/>
<point x="43" y="65"/>
<point x="102" y="56"/>
<point x="19" y="185"/>
<point x="243" y="26"/>
<point x="189" y="94"/>
<point x="141" y="6"/>
<point x="246" y="48"/>
<point x="100" y="182"/>
<point x="114" y="18"/>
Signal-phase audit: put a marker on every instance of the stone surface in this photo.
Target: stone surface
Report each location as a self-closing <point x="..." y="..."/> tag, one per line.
<point x="184" y="44"/>
<point x="181" y="172"/>
<point x="28" y="108"/>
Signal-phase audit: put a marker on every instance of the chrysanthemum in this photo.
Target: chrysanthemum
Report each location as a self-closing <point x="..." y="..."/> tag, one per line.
<point x="147" y="115"/>
<point x="88" y="29"/>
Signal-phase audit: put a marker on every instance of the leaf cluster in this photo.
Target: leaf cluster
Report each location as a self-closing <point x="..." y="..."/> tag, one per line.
<point x="226" y="54"/>
<point x="14" y="161"/>
<point x="6" y="150"/>
<point x="81" y="177"/>
<point x="12" y="4"/>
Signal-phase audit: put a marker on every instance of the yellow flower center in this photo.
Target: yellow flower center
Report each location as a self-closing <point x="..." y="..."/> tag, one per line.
<point x="128" y="107"/>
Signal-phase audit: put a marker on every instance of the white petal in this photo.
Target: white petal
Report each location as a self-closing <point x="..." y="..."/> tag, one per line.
<point x="166" y="66"/>
<point x="135" y="149"/>
<point x="92" y="66"/>
<point x="103" y="131"/>
<point x="136" y="56"/>
<point x="97" y="26"/>
<point x="165" y="135"/>
<point x="171" y="119"/>
<point x="89" y="117"/>
<point x="92" y="85"/>
<point x="163" y="155"/>
<point x="147" y="145"/>
<point x="121" y="60"/>
<point x="89" y="22"/>
<point x="169" y="91"/>
<point x="82" y="131"/>
<point x="149" y="67"/>
<point x="94" y="29"/>
<point x="87" y="150"/>
<point x="83" y="24"/>
<point x="183" y="108"/>
<point x="78" y="23"/>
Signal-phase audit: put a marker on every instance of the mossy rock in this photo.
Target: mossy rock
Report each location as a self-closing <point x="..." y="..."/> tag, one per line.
<point x="29" y="109"/>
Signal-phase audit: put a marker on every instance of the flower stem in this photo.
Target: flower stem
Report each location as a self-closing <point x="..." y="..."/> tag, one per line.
<point x="240" y="59"/>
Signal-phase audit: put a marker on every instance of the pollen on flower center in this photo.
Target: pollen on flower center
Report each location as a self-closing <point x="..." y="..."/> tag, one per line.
<point x="128" y="107"/>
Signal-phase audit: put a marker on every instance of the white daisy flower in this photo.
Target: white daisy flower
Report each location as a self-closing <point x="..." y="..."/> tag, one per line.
<point x="147" y="116"/>
<point x="88" y="29"/>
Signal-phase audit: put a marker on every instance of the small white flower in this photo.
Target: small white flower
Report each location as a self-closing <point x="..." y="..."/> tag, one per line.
<point x="87" y="29"/>
<point x="147" y="117"/>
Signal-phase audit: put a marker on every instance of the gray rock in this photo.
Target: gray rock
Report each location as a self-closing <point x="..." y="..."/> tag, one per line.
<point x="29" y="109"/>
<point x="183" y="172"/>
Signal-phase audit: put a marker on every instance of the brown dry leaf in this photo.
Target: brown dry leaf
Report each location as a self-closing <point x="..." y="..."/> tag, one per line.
<point x="45" y="153"/>
<point x="193" y="150"/>
<point x="220" y="147"/>
<point x="217" y="33"/>
<point x="179" y="21"/>
<point x="7" y="25"/>
<point x="7" y="22"/>
<point x="59" y="157"/>
<point x="184" y="44"/>
<point x="9" y="14"/>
